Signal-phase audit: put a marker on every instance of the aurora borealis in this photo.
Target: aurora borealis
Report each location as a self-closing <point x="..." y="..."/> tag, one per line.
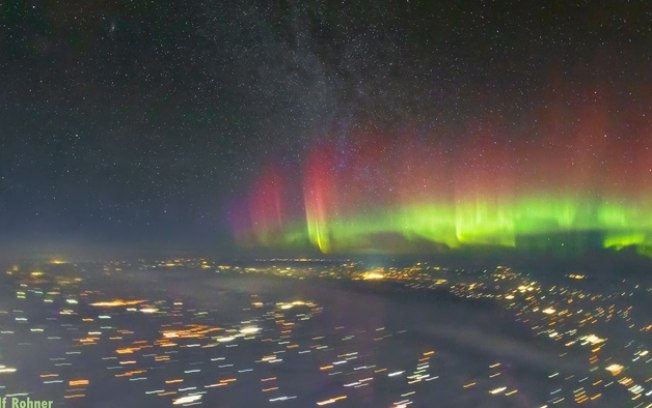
<point x="293" y="128"/>
<point x="573" y="187"/>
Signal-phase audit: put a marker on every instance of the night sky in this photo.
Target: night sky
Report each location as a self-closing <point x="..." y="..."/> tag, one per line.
<point x="185" y="124"/>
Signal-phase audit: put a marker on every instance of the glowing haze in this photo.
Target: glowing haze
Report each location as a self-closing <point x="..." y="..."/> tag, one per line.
<point x="576" y="176"/>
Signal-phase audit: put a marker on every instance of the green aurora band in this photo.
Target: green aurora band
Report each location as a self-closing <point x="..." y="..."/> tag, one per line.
<point x="530" y="224"/>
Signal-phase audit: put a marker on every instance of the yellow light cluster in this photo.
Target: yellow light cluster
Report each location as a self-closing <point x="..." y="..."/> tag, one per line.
<point x="190" y="332"/>
<point x="373" y="275"/>
<point x="614" y="369"/>
<point x="117" y="303"/>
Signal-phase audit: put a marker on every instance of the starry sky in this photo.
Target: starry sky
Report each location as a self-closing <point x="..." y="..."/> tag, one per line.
<point x="154" y="122"/>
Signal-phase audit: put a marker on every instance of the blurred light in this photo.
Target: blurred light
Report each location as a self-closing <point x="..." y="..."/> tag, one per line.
<point x="187" y="399"/>
<point x="614" y="369"/>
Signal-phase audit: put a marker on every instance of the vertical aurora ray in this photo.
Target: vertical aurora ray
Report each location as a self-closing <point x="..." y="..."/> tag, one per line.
<point x="424" y="202"/>
<point x="265" y="217"/>
<point x="318" y="189"/>
<point x="265" y="206"/>
<point x="483" y="186"/>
